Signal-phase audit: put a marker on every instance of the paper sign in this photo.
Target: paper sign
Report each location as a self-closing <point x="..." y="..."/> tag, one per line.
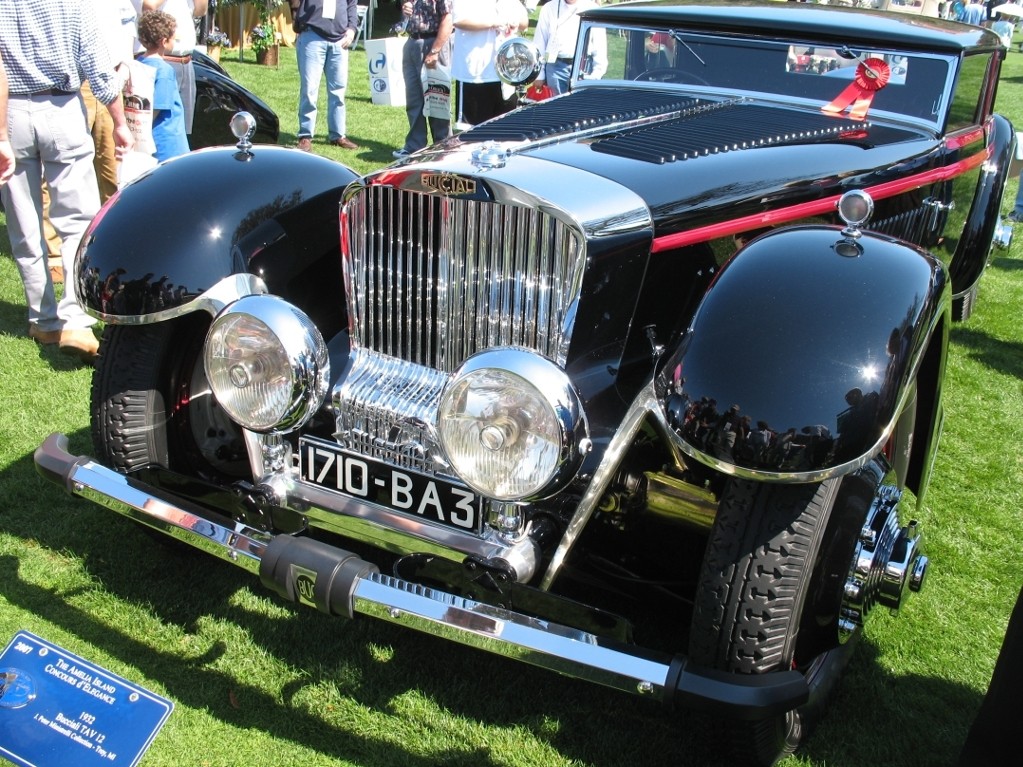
<point x="56" y="710"/>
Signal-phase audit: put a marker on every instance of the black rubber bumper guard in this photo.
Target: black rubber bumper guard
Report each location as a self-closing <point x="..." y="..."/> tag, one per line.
<point x="338" y="582"/>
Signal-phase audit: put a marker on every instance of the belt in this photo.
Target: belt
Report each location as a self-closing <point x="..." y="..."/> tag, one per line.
<point x="422" y="35"/>
<point x="178" y="59"/>
<point x="47" y="92"/>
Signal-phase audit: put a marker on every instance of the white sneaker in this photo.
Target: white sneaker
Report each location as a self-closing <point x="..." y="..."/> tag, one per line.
<point x="400" y="154"/>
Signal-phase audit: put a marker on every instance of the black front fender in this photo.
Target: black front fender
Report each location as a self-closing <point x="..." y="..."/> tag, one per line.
<point x="174" y="233"/>
<point x="971" y="256"/>
<point x="803" y="353"/>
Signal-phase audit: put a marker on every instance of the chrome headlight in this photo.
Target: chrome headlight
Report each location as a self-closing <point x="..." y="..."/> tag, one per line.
<point x="267" y="364"/>
<point x="517" y="61"/>
<point x="512" y="425"/>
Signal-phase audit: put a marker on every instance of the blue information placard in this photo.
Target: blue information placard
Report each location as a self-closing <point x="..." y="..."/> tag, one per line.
<point x="57" y="709"/>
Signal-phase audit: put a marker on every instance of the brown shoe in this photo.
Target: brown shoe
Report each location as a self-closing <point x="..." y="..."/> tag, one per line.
<point x="345" y="143"/>
<point x="44" y="337"/>
<point x="79" y="343"/>
<point x="305" y="144"/>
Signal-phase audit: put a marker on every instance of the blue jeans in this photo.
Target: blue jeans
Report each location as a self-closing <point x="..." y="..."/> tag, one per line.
<point x="558" y="75"/>
<point x="1018" y="207"/>
<point x="315" y="57"/>
<point x="412" y="57"/>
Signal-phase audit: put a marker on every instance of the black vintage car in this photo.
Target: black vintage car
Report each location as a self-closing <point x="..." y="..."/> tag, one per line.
<point x="639" y="384"/>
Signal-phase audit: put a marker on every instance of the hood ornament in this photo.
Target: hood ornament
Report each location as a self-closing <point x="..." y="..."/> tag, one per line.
<point x="243" y="126"/>
<point x="855" y="208"/>
<point x="489" y="155"/>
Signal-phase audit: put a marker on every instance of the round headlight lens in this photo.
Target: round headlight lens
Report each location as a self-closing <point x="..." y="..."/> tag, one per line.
<point x="267" y="364"/>
<point x="511" y="425"/>
<point x="517" y="61"/>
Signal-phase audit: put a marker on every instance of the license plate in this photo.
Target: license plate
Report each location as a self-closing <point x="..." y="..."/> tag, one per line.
<point x="408" y="492"/>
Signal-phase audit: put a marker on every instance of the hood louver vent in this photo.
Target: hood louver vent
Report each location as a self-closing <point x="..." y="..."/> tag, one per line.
<point x="671" y="127"/>
<point x="584" y="111"/>
<point x="746" y="126"/>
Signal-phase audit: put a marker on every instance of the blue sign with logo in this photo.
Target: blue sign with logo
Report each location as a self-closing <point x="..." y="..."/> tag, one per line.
<point x="56" y="710"/>
<point x="377" y="64"/>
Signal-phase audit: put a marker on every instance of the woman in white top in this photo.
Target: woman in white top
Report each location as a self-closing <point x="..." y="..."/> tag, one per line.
<point x="557" y="29"/>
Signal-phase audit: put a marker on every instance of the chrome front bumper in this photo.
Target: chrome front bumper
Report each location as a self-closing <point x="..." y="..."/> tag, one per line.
<point x="338" y="582"/>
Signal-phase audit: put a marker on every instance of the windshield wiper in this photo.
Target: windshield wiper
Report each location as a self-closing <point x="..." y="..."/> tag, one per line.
<point x="679" y="39"/>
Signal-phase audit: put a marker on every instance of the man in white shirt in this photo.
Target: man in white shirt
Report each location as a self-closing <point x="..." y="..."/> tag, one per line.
<point x="557" y="30"/>
<point x="180" y="57"/>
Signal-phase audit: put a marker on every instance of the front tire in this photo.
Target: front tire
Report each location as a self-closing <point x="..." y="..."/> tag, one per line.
<point x="151" y="403"/>
<point x="770" y="596"/>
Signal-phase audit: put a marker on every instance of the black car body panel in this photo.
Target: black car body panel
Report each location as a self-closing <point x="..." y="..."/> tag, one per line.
<point x="839" y="342"/>
<point x="274" y="232"/>
<point x="217" y="99"/>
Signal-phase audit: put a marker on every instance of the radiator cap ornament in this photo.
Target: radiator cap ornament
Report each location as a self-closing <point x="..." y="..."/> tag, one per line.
<point x="489" y="155"/>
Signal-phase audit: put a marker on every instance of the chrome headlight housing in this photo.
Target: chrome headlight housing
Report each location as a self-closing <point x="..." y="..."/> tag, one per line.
<point x="517" y="61"/>
<point x="267" y="364"/>
<point x="511" y="425"/>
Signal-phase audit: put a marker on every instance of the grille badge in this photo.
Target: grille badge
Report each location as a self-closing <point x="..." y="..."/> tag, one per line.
<point x="449" y="183"/>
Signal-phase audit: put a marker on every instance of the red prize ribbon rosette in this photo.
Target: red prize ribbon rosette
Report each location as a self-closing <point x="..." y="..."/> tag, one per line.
<point x="871" y="76"/>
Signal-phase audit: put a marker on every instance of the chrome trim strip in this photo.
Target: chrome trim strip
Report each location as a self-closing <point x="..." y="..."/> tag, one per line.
<point x="646" y="402"/>
<point x="212" y="301"/>
<point x="513" y="635"/>
<point x="233" y="542"/>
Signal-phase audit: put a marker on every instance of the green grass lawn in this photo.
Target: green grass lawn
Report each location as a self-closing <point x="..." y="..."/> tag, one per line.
<point x="259" y="682"/>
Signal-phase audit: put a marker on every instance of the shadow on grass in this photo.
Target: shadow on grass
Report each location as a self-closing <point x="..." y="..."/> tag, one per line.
<point x="1006" y="263"/>
<point x="1003" y="356"/>
<point x="587" y="724"/>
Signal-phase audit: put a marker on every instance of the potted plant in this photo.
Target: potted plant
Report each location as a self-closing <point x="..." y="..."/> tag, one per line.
<point x="264" y="43"/>
<point x="215" y="40"/>
<point x="263" y="36"/>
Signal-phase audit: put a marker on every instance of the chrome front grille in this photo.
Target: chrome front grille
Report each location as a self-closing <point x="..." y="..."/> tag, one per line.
<point x="387" y="409"/>
<point x="431" y="279"/>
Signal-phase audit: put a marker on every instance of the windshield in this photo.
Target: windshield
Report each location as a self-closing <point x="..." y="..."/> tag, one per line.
<point x="843" y="80"/>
